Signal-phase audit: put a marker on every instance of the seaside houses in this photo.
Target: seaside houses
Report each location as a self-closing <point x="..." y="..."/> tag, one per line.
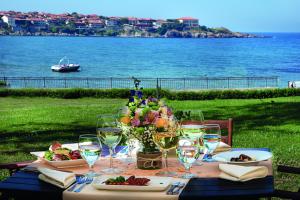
<point x="38" y="24"/>
<point x="10" y="21"/>
<point x="95" y="24"/>
<point x="75" y="23"/>
<point x="189" y="22"/>
<point x="112" y="21"/>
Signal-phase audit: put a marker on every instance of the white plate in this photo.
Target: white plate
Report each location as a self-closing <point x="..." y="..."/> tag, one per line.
<point x="155" y="184"/>
<point x="63" y="163"/>
<point x="258" y="155"/>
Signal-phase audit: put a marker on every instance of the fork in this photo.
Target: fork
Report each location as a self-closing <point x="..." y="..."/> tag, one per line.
<point x="79" y="180"/>
<point x="88" y="180"/>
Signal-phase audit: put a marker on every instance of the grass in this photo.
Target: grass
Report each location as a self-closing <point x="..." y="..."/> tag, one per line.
<point x="30" y="124"/>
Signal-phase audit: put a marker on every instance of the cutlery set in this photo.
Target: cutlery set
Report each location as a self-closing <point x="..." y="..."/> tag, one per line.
<point x="175" y="188"/>
<point x="82" y="181"/>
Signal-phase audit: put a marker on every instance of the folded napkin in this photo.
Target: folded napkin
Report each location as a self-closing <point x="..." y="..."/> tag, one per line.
<point x="58" y="178"/>
<point x="242" y="173"/>
<point x="222" y="147"/>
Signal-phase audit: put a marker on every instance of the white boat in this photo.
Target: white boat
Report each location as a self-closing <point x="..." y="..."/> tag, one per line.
<point x="65" y="67"/>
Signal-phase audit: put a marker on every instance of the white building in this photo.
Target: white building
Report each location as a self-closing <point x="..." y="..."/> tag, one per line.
<point x="9" y="20"/>
<point x="190" y="22"/>
<point x="113" y="21"/>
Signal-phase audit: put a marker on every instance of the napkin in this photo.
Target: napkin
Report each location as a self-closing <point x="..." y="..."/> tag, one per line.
<point x="242" y="173"/>
<point x="222" y="147"/>
<point x="57" y="178"/>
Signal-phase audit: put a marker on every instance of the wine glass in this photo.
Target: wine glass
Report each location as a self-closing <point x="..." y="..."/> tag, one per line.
<point x="211" y="139"/>
<point x="110" y="134"/>
<point x="187" y="152"/>
<point x="90" y="149"/>
<point x="166" y="137"/>
<point x="192" y="125"/>
<point x="194" y="116"/>
<point x="124" y="121"/>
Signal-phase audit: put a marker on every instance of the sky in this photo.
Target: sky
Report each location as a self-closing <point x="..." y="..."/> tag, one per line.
<point x="237" y="15"/>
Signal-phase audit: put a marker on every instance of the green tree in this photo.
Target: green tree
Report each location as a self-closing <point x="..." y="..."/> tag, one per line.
<point x="124" y="20"/>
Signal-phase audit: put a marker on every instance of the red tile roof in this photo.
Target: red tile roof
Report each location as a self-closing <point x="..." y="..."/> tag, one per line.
<point x="187" y="18"/>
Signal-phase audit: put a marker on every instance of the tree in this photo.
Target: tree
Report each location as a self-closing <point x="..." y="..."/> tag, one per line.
<point x="124" y="20"/>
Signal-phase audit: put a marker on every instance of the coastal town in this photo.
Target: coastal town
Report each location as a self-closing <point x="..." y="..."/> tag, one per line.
<point x="75" y="24"/>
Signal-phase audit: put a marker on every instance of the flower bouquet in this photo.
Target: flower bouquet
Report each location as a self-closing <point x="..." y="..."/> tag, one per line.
<point x="143" y="116"/>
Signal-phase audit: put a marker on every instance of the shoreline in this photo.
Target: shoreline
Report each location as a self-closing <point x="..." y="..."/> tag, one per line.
<point x="170" y="35"/>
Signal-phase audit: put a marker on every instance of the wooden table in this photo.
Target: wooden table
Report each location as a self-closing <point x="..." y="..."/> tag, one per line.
<point x="26" y="185"/>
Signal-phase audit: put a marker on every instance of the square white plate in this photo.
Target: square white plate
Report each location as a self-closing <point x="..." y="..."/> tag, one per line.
<point x="63" y="163"/>
<point x="155" y="184"/>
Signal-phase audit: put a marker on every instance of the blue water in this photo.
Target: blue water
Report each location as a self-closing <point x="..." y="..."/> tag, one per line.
<point x="154" y="57"/>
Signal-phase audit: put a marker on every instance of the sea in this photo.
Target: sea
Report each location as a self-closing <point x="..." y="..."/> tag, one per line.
<point x="32" y="56"/>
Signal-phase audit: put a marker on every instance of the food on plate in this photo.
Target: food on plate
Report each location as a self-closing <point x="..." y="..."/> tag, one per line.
<point x="242" y="158"/>
<point x="59" y="153"/>
<point x="132" y="180"/>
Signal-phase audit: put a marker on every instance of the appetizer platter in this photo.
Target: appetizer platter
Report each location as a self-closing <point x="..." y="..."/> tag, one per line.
<point x="61" y="155"/>
<point x="131" y="183"/>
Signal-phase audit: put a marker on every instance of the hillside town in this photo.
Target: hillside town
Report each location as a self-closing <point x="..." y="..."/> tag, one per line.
<point x="75" y="24"/>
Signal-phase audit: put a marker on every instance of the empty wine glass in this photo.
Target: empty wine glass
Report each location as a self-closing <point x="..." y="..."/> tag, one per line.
<point x="110" y="134"/>
<point x="211" y="139"/>
<point x="166" y="137"/>
<point x="90" y="149"/>
<point x="187" y="152"/>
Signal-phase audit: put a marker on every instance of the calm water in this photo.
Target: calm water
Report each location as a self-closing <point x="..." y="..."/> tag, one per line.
<point x="154" y="57"/>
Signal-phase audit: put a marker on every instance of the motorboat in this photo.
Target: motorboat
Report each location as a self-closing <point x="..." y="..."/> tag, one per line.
<point x="64" y="65"/>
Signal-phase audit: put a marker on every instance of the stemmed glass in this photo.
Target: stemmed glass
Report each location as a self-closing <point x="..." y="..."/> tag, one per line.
<point x="166" y="138"/>
<point x="90" y="149"/>
<point x="110" y="134"/>
<point x="191" y="125"/>
<point x="211" y="139"/>
<point x="130" y="139"/>
<point x="187" y="152"/>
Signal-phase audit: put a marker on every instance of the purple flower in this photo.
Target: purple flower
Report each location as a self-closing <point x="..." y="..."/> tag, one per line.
<point x="169" y="112"/>
<point x="152" y="99"/>
<point x="143" y="102"/>
<point x="131" y="99"/>
<point x="135" y="122"/>
<point x="139" y="94"/>
<point x="132" y="92"/>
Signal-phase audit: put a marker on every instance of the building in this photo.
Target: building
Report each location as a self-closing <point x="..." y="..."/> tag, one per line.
<point x="10" y="21"/>
<point x="158" y="23"/>
<point x="190" y="22"/>
<point x="112" y="21"/>
<point x="95" y="24"/>
<point x="145" y="22"/>
<point x="80" y="25"/>
<point x="38" y="24"/>
<point x="132" y="21"/>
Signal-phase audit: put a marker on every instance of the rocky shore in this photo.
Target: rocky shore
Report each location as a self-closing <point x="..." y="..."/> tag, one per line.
<point x="144" y="34"/>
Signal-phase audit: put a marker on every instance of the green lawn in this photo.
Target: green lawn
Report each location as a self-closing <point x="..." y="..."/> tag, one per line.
<point x="30" y="124"/>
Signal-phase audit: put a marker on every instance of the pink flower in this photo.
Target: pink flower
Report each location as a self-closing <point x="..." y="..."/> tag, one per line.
<point x="135" y="122"/>
<point x="169" y="112"/>
<point x="151" y="117"/>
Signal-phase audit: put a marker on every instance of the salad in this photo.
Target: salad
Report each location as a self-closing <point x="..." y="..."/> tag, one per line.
<point x="59" y="153"/>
